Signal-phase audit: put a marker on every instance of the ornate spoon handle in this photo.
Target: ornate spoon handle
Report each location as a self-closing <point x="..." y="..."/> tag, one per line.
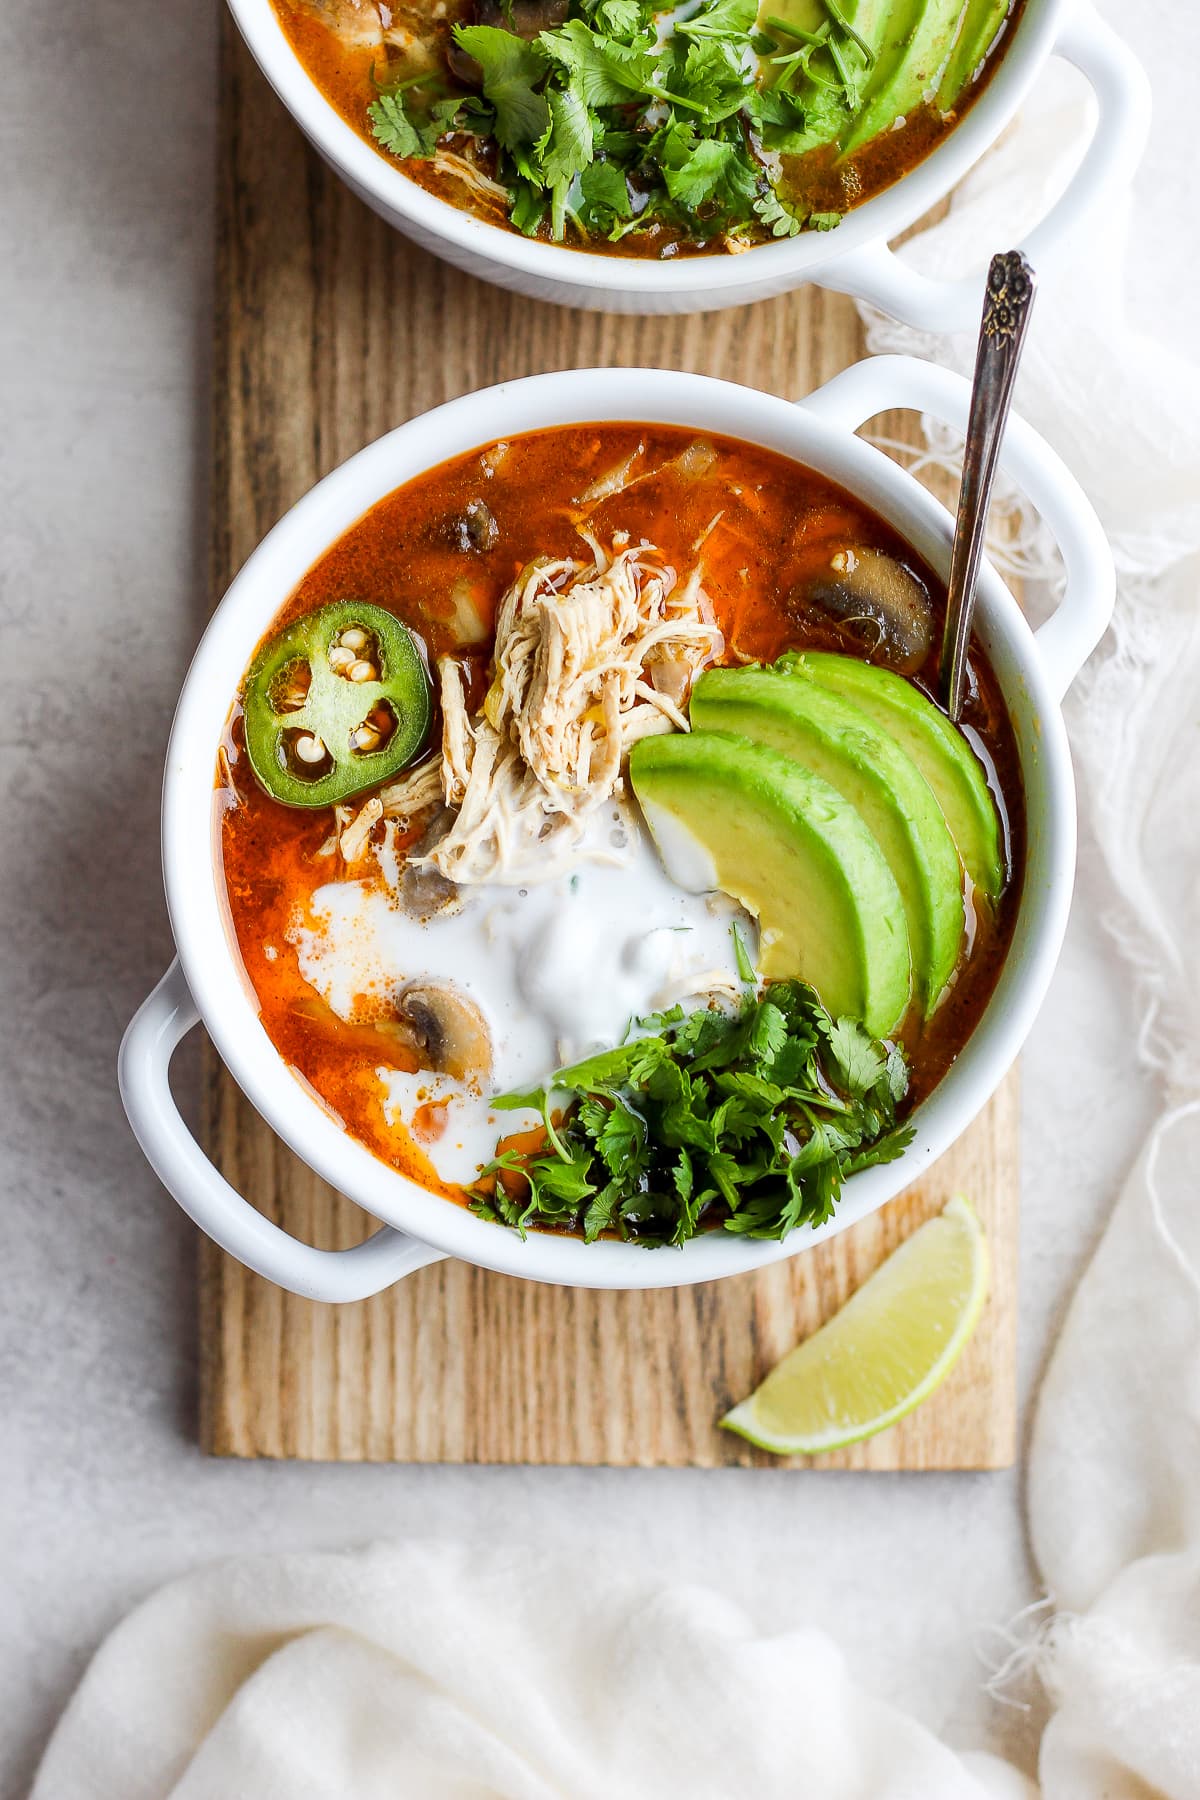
<point x="1007" y="304"/>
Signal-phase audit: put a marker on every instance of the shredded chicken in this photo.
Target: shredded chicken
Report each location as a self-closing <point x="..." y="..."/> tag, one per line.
<point x="370" y="25"/>
<point x="357" y="22"/>
<point x="692" y="463"/>
<point x="612" y="481"/>
<point x="588" y="659"/>
<point x="414" y="794"/>
<point x="448" y="162"/>
<point x="708" y="531"/>
<point x="355" y="835"/>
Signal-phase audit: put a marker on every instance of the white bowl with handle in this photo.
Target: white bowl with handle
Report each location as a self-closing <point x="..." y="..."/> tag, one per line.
<point x="853" y="259"/>
<point x="207" y="983"/>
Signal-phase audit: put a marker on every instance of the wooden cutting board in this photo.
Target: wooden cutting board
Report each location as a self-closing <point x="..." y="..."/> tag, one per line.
<point x="331" y="328"/>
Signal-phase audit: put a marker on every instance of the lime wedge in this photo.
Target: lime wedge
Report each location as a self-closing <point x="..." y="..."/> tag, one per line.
<point x="888" y="1348"/>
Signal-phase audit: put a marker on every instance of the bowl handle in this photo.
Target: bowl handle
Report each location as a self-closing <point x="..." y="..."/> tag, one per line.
<point x="1069" y="636"/>
<point x="876" y="274"/>
<point x="162" y="1020"/>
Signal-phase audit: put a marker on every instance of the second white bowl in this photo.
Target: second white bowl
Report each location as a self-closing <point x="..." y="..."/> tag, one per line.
<point x="854" y="259"/>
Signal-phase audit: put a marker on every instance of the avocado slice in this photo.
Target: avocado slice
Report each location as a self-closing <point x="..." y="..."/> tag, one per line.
<point x="923" y="50"/>
<point x="883" y="25"/>
<point x="837" y="740"/>
<point x="982" y="21"/>
<point x="731" y="814"/>
<point x="918" y="40"/>
<point x="938" y="748"/>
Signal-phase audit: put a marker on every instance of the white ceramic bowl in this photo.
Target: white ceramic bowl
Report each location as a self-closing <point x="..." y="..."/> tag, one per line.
<point x="854" y="259"/>
<point x="208" y="983"/>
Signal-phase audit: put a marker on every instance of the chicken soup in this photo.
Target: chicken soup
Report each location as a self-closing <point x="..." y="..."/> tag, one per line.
<point x="594" y="843"/>
<point x="624" y="127"/>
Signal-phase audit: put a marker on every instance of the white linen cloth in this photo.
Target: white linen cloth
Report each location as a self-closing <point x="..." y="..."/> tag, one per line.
<point x="430" y="1672"/>
<point x="427" y="1670"/>
<point x="1114" y="1467"/>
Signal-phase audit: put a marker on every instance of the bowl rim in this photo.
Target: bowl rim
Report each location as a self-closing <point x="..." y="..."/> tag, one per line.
<point x="792" y="260"/>
<point x="190" y="862"/>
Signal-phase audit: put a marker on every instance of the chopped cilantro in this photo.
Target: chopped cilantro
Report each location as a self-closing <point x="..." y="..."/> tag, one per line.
<point x="603" y="127"/>
<point x="749" y="1120"/>
<point x="779" y="219"/>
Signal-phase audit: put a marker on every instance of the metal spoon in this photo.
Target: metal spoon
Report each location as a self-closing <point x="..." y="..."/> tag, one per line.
<point x="1007" y="303"/>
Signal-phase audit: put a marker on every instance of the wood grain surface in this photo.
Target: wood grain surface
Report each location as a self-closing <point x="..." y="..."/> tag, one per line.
<point x="330" y="329"/>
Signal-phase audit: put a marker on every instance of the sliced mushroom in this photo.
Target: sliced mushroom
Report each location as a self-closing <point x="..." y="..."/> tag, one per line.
<point x="449" y="1031"/>
<point x="475" y="528"/>
<point x="883" y="603"/>
<point x="424" y="891"/>
<point x="421" y="889"/>
<point x="494" y="457"/>
<point x="524" y="17"/>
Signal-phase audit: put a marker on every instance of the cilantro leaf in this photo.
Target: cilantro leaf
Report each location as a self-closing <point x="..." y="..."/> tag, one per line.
<point x="398" y="129"/>
<point x="566" y="148"/>
<point x="512" y="71"/>
<point x="603" y="197"/>
<point x="768" y="1033"/>
<point x="723" y="19"/>
<point x="857" y="1057"/>
<point x="622" y="19"/>
<point x="779" y="218"/>
<point x="696" y="167"/>
<point x="528" y="206"/>
<point x="711" y="78"/>
<point x="602" y="1213"/>
<point x="601" y="72"/>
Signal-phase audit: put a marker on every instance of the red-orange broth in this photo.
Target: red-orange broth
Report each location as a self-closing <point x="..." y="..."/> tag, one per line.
<point x="777" y="526"/>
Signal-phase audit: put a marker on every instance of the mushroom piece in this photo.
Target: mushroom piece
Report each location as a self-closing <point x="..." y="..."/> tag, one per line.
<point x="882" y="601"/>
<point x="523" y="18"/>
<point x="475" y="528"/>
<point x="449" y="1031"/>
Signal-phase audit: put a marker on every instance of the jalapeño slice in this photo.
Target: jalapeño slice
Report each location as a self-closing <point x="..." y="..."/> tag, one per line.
<point x="334" y="704"/>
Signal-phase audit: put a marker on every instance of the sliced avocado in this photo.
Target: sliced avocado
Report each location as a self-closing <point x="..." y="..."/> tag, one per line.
<point x="919" y="38"/>
<point x="731" y="814"/>
<point x="921" y="50"/>
<point x="837" y="740"/>
<point x="938" y="748"/>
<point x="828" y="111"/>
<point x="981" y="24"/>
